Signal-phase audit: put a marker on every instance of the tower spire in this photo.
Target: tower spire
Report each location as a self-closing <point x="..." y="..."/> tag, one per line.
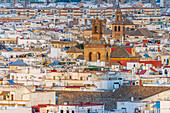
<point x="118" y="7"/>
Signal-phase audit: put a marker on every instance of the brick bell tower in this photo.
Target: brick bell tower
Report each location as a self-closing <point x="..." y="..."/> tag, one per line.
<point x="97" y="29"/>
<point x="96" y="48"/>
<point x="118" y="27"/>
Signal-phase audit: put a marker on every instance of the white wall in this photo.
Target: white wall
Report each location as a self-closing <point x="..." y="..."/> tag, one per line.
<point x="82" y="109"/>
<point x="130" y="106"/>
<point x="57" y="53"/>
<point x="16" y="110"/>
<point x="132" y="65"/>
<point x="164" y="106"/>
<point x="41" y="98"/>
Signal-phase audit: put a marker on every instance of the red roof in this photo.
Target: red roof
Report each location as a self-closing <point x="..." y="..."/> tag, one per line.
<point x="166" y="66"/>
<point x="127" y="44"/>
<point x="154" y="63"/>
<point x="142" y="72"/>
<point x="158" y="43"/>
<point x="125" y="70"/>
<point x="53" y="70"/>
<point x="153" y="70"/>
<point x="43" y="105"/>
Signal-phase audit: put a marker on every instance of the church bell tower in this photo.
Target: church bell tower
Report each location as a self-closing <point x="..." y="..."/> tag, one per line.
<point x="118" y="27"/>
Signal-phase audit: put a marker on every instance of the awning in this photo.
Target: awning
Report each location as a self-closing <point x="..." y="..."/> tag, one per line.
<point x="157" y="105"/>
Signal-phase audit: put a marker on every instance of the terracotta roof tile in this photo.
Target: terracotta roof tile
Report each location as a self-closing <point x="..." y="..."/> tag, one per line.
<point x="74" y="49"/>
<point x="120" y="52"/>
<point x="81" y="57"/>
<point x="142" y="32"/>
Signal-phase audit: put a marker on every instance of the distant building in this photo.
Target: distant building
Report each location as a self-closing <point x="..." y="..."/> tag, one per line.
<point x="74" y="52"/>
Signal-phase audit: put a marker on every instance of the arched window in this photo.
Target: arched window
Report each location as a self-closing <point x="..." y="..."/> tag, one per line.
<point x="119" y="28"/>
<point x="96" y="29"/>
<point x="90" y="56"/>
<point x="98" y="56"/>
<point x="115" y="28"/>
<point x="107" y="56"/>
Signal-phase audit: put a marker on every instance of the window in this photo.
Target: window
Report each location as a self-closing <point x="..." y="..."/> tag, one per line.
<point x="53" y="77"/>
<point x="166" y="72"/>
<point x="90" y="56"/>
<point x="107" y="56"/>
<point x="88" y="111"/>
<point x="124" y="110"/>
<point x="117" y="17"/>
<point x="4" y="97"/>
<point x="11" y="11"/>
<point x="72" y="111"/>
<point x="61" y="111"/>
<point x="98" y="55"/>
<point x="119" y="28"/>
<point x="12" y="97"/>
<point x="115" y="28"/>
<point x="96" y="29"/>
